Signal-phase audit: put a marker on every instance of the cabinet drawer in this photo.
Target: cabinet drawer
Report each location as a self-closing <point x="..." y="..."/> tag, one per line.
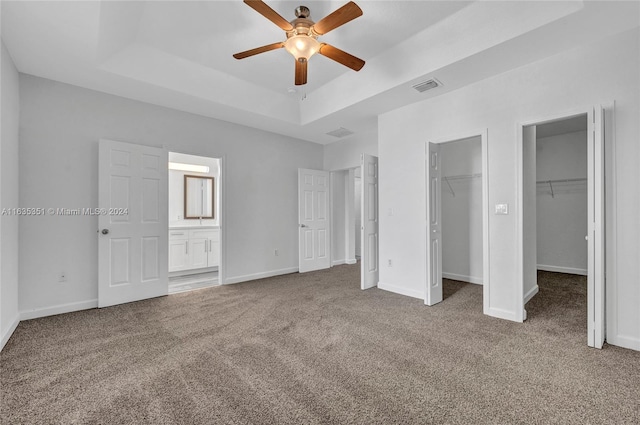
<point x="178" y="234"/>
<point x="202" y="234"/>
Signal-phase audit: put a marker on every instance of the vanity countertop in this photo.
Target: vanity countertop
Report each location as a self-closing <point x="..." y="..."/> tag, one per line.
<point x="194" y="228"/>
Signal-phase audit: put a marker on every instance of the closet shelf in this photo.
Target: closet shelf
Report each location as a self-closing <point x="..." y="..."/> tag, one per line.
<point x="561" y="183"/>
<point x="447" y="179"/>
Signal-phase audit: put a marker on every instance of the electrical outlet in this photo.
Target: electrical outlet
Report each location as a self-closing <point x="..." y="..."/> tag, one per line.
<point x="275" y="252"/>
<point x="390" y="264"/>
<point x="62" y="277"/>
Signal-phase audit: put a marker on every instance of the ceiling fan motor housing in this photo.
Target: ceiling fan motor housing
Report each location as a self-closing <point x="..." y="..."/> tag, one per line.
<point x="302" y="12"/>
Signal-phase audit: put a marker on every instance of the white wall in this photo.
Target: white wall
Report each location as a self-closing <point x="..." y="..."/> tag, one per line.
<point x="9" y="116"/>
<point x="553" y="85"/>
<point x="462" y="213"/>
<point x="346" y="153"/>
<point x="176" y="190"/>
<point x="357" y="212"/>
<point x="60" y="129"/>
<point x="562" y="219"/>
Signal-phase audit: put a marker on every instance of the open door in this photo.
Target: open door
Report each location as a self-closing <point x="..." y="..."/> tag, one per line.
<point x="133" y="223"/>
<point x="595" y="238"/>
<point x="369" y="265"/>
<point x="434" y="226"/>
<point x="313" y="220"/>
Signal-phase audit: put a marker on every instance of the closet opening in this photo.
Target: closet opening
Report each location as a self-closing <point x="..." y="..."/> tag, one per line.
<point x="555" y="218"/>
<point x="457" y="222"/>
<point x="194" y="222"/>
<point x="561" y="216"/>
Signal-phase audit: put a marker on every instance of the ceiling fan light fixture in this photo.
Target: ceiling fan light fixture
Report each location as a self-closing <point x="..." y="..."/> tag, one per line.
<point x="302" y="46"/>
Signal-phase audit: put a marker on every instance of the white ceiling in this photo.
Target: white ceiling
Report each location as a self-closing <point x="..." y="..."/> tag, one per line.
<point x="178" y="54"/>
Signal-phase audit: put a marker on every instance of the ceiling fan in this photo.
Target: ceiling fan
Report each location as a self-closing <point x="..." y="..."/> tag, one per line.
<point x="302" y="34"/>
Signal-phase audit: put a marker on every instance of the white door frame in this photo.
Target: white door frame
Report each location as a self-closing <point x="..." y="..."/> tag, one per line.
<point x="484" y="136"/>
<point x="595" y="295"/>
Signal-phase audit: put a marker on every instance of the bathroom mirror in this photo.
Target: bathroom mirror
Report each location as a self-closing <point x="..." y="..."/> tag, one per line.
<point x="198" y="197"/>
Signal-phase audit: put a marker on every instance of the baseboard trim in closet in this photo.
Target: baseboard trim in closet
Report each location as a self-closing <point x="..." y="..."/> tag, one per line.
<point x="462" y="278"/>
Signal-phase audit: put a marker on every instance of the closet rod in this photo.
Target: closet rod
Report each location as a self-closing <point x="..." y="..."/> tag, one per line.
<point x="551" y="183"/>
<point x="459" y="177"/>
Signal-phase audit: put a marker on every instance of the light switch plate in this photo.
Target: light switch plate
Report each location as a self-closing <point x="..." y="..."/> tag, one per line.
<point x="502" y="209"/>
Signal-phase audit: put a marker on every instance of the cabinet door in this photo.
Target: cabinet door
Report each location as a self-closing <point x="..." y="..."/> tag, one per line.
<point x="198" y="255"/>
<point x="214" y="253"/>
<point x="178" y="258"/>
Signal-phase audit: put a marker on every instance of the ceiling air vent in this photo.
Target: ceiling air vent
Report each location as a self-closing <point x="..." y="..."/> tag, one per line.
<point x="341" y="132"/>
<point x="427" y="85"/>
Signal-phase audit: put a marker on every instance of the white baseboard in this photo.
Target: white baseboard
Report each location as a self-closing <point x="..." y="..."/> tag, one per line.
<point x="262" y="275"/>
<point x="58" y="309"/>
<point x="532" y="292"/>
<point x="462" y="278"/>
<point x="401" y="290"/>
<point x="624" y="342"/>
<point x="352" y="261"/>
<point x="9" y="332"/>
<point x="502" y="314"/>
<point x="338" y="262"/>
<point x="568" y="270"/>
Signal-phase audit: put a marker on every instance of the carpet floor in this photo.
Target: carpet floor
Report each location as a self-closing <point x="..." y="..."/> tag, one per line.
<point x="315" y="349"/>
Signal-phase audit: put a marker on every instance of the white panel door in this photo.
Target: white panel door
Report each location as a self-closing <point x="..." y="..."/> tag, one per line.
<point x="595" y="237"/>
<point x="434" y="226"/>
<point x="313" y="220"/>
<point x="133" y="224"/>
<point x="369" y="262"/>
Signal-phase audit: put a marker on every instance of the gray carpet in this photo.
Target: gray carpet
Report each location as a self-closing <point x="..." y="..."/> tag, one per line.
<point x="316" y="349"/>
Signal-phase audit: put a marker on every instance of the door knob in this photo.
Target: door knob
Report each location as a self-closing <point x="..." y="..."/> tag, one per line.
<point x="105" y="231"/>
<point x="303" y="225"/>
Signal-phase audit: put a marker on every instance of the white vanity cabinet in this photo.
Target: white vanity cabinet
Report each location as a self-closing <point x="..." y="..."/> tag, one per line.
<point x="178" y="250"/>
<point x="193" y="249"/>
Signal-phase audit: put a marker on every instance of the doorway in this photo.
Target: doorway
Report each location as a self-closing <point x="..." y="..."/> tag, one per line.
<point x="457" y="222"/>
<point x="561" y="208"/>
<point x="354" y="228"/>
<point x="194" y="222"/>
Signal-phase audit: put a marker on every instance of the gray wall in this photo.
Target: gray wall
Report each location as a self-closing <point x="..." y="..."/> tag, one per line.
<point x="562" y="220"/>
<point x="10" y="111"/>
<point x="61" y="126"/>
<point x="462" y="213"/>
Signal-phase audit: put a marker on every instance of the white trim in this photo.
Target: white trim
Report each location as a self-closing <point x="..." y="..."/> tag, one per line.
<point x="401" y="290"/>
<point x="352" y="261"/>
<point x="558" y="269"/>
<point x="58" y="309"/>
<point x="261" y="275"/>
<point x="338" y="262"/>
<point x="503" y="314"/>
<point x="624" y="341"/>
<point x="9" y="332"/>
<point x="463" y="278"/>
<point x="611" y="240"/>
<point x="532" y="292"/>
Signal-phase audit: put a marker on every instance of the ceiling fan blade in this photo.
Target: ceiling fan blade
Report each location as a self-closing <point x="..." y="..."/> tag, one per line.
<point x="301" y="71"/>
<point x="341" y="57"/>
<point x="346" y="13"/>
<point x="257" y="50"/>
<point x="263" y="9"/>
